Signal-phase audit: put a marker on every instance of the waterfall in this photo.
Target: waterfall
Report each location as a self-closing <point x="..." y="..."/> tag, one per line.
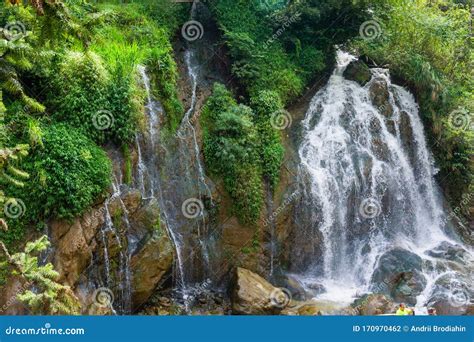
<point x="171" y="171"/>
<point x="149" y="170"/>
<point x="368" y="182"/>
<point x="123" y="303"/>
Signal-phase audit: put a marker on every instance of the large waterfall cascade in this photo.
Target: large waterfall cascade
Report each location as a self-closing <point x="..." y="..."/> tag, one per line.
<point x="369" y="183"/>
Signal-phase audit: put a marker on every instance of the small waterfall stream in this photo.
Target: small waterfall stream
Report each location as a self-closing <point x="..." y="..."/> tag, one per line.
<point x="171" y="171"/>
<point x="368" y="187"/>
<point x="149" y="169"/>
<point x="123" y="282"/>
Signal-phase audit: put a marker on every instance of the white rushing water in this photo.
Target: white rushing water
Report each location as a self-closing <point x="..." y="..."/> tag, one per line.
<point x="109" y="230"/>
<point x="369" y="180"/>
<point x="172" y="172"/>
<point x="148" y="170"/>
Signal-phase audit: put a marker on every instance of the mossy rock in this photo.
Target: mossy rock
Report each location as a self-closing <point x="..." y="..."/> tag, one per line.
<point x="358" y="71"/>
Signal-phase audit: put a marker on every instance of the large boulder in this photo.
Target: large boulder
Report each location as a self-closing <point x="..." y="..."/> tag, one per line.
<point x="74" y="243"/>
<point x="399" y="275"/>
<point x="253" y="295"/>
<point x="149" y="266"/>
<point x="153" y="254"/>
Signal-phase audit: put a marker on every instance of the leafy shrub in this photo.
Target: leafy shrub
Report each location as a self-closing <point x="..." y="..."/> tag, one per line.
<point x="140" y="33"/>
<point x="67" y="175"/>
<point x="266" y="104"/>
<point x="231" y="151"/>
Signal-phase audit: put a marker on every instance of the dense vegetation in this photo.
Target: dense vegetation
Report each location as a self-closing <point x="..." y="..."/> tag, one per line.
<point x="429" y="45"/>
<point x="231" y="151"/>
<point x="71" y="90"/>
<point x="70" y="85"/>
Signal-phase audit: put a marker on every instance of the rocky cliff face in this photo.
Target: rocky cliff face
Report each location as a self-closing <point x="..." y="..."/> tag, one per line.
<point x="125" y="241"/>
<point x="79" y="247"/>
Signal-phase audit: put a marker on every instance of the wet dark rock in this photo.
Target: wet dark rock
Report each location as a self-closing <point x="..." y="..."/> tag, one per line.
<point x="150" y="265"/>
<point x="399" y="275"/>
<point x="293" y="285"/>
<point x="448" y="251"/>
<point x="452" y="295"/>
<point x="406" y="135"/>
<point x="358" y="71"/>
<point x="380" y="97"/>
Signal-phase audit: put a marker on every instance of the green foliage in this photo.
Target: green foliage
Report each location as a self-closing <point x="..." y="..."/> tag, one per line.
<point x="140" y="33"/>
<point x="72" y="172"/>
<point x="81" y="60"/>
<point x="429" y="46"/>
<point x="16" y="53"/>
<point x="10" y="175"/>
<point x="231" y="151"/>
<point x="257" y="65"/>
<point x="277" y="50"/>
<point x="68" y="174"/>
<point x="49" y="296"/>
<point x="83" y="94"/>
<point x="266" y="104"/>
<point x="280" y="47"/>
